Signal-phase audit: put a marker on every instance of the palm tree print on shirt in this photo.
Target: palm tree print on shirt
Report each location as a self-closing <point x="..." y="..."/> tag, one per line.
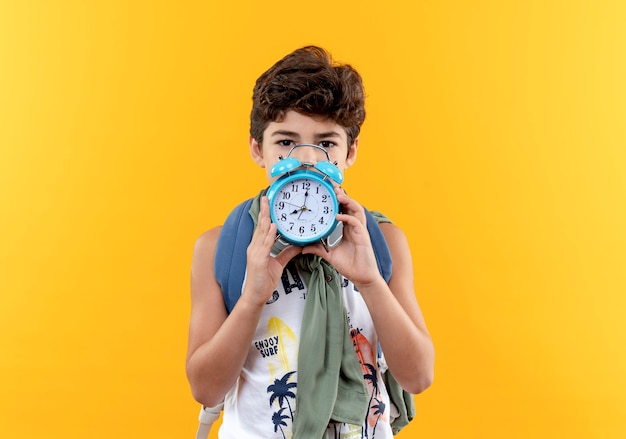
<point x="367" y="359"/>
<point x="281" y="391"/>
<point x="380" y="411"/>
<point x="279" y="421"/>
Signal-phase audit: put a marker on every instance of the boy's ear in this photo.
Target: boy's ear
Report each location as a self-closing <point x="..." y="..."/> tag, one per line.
<point x="352" y="153"/>
<point x="256" y="151"/>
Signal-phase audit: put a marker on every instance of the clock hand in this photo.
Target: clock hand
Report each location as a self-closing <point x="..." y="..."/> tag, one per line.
<point x="304" y="208"/>
<point x="291" y="204"/>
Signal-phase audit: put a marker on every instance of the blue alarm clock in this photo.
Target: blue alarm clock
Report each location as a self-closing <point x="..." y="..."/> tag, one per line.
<point x="302" y="201"/>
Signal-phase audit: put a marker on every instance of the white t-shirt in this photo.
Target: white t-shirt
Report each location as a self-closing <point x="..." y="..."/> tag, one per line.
<point x="263" y="401"/>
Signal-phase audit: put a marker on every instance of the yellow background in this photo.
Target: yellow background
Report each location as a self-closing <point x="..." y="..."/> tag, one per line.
<point x="495" y="138"/>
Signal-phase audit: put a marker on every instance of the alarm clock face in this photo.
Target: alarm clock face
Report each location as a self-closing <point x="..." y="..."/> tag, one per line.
<point x="303" y="206"/>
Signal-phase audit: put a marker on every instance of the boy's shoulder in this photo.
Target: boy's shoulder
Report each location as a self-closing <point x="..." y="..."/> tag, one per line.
<point x="208" y="239"/>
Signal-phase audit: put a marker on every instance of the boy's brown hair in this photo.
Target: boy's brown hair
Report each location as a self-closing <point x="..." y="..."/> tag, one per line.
<point x="310" y="82"/>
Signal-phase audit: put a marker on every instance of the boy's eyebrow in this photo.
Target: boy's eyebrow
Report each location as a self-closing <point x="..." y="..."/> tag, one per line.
<point x="327" y="135"/>
<point x="293" y="134"/>
<point x="285" y="133"/>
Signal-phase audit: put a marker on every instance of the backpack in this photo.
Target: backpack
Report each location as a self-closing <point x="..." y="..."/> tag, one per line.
<point x="229" y="272"/>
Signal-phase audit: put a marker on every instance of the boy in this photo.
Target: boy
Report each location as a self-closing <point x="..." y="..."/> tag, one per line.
<point x="279" y="372"/>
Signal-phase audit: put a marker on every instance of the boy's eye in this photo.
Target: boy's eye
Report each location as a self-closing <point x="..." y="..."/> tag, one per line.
<point x="326" y="144"/>
<point x="285" y="142"/>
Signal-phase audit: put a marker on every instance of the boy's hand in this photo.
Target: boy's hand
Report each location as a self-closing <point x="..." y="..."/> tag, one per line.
<point x="354" y="256"/>
<point x="263" y="270"/>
